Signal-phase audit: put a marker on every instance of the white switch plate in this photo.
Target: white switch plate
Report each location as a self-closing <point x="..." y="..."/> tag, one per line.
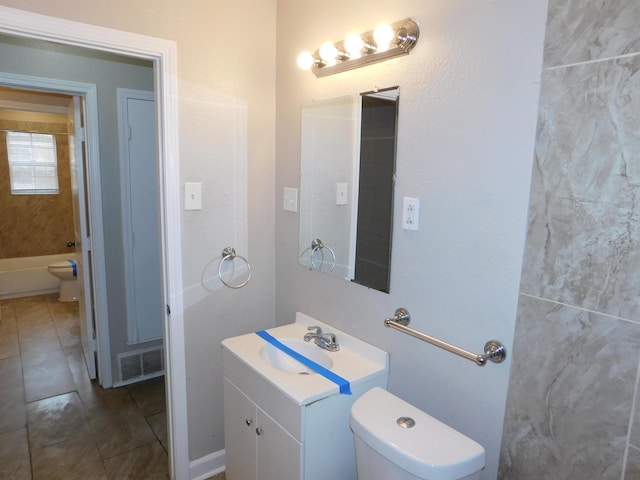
<point x="290" y="203"/>
<point x="193" y="196"/>
<point x="342" y="190"/>
<point x="410" y="213"/>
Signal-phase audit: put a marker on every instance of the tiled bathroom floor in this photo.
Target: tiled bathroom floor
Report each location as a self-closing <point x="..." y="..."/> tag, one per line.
<point x="57" y="424"/>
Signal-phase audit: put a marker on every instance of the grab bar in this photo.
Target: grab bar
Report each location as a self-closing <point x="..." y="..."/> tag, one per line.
<point x="493" y="349"/>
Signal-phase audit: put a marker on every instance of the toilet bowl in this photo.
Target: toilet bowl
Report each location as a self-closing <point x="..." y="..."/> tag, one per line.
<point x="66" y="271"/>
<point x="396" y="441"/>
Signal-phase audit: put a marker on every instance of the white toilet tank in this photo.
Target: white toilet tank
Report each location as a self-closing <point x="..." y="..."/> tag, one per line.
<point x="424" y="448"/>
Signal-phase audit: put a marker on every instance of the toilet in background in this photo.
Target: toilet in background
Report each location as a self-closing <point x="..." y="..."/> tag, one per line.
<point x="396" y="441"/>
<point x="67" y="272"/>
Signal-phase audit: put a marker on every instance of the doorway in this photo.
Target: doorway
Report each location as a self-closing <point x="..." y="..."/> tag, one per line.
<point x="63" y="219"/>
<point x="162" y="54"/>
<point x="58" y="214"/>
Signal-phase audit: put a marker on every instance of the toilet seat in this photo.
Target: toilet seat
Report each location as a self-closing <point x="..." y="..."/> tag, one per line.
<point x="60" y="266"/>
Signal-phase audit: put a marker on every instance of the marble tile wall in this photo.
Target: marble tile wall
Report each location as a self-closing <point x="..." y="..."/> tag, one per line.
<point x="573" y="409"/>
<point x="32" y="225"/>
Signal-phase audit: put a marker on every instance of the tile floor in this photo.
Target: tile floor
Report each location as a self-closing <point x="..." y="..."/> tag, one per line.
<point x="57" y="424"/>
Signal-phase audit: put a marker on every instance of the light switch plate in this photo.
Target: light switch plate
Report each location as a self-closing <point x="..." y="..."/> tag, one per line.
<point x="290" y="203"/>
<point x="342" y="190"/>
<point x="193" y="196"/>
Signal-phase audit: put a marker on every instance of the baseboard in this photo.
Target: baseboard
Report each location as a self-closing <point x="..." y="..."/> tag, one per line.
<point x="207" y="466"/>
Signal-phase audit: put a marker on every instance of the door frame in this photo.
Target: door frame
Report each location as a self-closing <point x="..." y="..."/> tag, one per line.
<point x="82" y="159"/>
<point x="163" y="55"/>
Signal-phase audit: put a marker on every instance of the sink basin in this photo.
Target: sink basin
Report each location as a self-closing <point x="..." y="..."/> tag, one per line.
<point x="252" y="363"/>
<point x="280" y="360"/>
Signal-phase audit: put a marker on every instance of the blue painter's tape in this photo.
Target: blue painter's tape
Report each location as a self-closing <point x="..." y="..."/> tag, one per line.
<point x="345" y="388"/>
<point x="75" y="267"/>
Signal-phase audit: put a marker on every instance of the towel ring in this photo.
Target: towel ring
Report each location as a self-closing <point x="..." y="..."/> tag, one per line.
<point x="318" y="246"/>
<point x="230" y="254"/>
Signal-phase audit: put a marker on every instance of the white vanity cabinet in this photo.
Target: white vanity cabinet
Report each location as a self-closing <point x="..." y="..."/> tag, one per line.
<point x="256" y="447"/>
<point x="293" y="426"/>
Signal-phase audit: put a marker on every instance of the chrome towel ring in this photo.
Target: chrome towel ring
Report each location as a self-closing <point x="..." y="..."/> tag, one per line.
<point x="318" y="246"/>
<point x="229" y="255"/>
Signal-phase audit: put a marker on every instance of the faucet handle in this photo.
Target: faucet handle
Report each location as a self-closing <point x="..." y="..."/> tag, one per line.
<point x="318" y="330"/>
<point x="308" y="336"/>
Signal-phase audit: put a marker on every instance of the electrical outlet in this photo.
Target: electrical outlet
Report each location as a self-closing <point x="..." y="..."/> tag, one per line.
<point x="410" y="213"/>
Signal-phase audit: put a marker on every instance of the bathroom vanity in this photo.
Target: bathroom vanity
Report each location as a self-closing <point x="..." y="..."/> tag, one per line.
<point x="284" y="421"/>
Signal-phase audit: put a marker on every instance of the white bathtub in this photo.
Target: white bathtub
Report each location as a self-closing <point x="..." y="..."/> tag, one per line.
<point x="28" y="276"/>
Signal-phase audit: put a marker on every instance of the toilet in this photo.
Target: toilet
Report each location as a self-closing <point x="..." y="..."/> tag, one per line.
<point x="396" y="441"/>
<point x="67" y="272"/>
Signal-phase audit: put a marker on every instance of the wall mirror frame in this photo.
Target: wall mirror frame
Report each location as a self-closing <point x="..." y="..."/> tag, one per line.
<point x="347" y="179"/>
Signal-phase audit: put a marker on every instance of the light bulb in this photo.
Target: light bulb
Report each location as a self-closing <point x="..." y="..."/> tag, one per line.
<point x="383" y="34"/>
<point x="353" y="45"/>
<point x="305" y="61"/>
<point x="328" y="52"/>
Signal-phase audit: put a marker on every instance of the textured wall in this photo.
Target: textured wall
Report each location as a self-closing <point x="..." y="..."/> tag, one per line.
<point x="466" y="130"/>
<point x="570" y="408"/>
<point x="32" y="225"/>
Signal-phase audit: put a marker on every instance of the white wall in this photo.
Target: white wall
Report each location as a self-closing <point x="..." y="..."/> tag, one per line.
<point x="226" y="72"/>
<point x="468" y="104"/>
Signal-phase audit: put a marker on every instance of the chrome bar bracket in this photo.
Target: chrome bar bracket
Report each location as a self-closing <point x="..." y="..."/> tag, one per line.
<point x="402" y="316"/>
<point x="495" y="351"/>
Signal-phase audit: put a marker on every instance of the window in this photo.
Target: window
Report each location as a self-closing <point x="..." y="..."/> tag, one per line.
<point x="33" y="165"/>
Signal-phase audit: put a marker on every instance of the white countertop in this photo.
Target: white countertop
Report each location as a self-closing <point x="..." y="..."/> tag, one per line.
<point x="356" y="361"/>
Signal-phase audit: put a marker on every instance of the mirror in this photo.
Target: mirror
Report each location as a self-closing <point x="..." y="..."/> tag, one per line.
<point x="348" y="150"/>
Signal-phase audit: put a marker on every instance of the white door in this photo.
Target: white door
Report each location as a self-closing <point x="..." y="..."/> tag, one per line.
<point x="141" y="215"/>
<point x="82" y="238"/>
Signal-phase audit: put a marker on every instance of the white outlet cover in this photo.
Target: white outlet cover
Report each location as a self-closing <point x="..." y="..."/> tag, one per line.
<point x="410" y="213"/>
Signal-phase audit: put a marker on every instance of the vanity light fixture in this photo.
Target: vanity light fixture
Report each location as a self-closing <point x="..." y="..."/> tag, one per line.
<point x="357" y="50"/>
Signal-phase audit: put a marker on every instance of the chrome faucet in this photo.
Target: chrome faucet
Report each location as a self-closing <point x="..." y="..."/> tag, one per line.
<point x="327" y="341"/>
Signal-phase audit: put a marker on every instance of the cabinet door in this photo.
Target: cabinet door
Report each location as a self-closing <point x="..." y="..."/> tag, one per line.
<point x="279" y="454"/>
<point x="239" y="434"/>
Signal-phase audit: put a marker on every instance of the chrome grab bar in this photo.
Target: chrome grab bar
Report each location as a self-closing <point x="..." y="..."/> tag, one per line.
<point x="493" y="350"/>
